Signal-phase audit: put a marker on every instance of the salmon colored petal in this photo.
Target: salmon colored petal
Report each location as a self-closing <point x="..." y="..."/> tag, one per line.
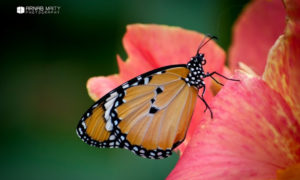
<point x="283" y="66"/>
<point x="131" y="68"/>
<point x="160" y="45"/>
<point x="290" y="173"/>
<point x="293" y="9"/>
<point x="256" y="30"/>
<point x="253" y="135"/>
<point x="246" y="69"/>
<point x="99" y="86"/>
<point x="215" y="87"/>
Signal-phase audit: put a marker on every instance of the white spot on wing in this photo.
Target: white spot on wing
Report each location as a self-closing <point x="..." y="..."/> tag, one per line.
<point x="80" y="131"/>
<point x="125" y="86"/>
<point x="77" y="133"/>
<point x="117" y="104"/>
<point x="109" y="104"/>
<point x="109" y="126"/>
<point x="107" y="116"/>
<point x="112" y="95"/>
<point x="123" y="138"/>
<point x="146" y="80"/>
<point x="112" y="137"/>
<point x="83" y="124"/>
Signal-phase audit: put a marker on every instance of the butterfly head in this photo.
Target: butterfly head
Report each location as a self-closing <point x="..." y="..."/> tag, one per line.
<point x="197" y="61"/>
<point x="200" y="59"/>
<point x="195" y="65"/>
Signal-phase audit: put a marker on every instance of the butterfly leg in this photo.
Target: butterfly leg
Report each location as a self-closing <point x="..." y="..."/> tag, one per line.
<point x="206" y="105"/>
<point x="202" y="96"/>
<point x="211" y="75"/>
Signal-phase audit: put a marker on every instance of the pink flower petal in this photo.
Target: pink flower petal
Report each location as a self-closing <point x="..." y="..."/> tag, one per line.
<point x="283" y="66"/>
<point x="255" y="32"/>
<point x="253" y="134"/>
<point x="159" y="45"/>
<point x="99" y="86"/>
<point x="290" y="173"/>
<point x="293" y="9"/>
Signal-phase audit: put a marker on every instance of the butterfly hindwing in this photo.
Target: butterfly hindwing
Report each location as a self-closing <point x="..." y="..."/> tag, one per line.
<point x="148" y="115"/>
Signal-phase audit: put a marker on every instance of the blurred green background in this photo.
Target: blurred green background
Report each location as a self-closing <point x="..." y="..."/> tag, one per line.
<point x="45" y="63"/>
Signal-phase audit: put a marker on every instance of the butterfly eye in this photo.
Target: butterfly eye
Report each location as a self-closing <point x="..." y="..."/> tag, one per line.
<point x="203" y="62"/>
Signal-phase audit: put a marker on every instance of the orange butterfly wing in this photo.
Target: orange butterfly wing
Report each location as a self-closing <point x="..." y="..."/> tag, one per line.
<point x="148" y="115"/>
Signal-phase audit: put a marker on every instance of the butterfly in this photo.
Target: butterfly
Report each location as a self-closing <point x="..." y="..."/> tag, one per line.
<point x="149" y="114"/>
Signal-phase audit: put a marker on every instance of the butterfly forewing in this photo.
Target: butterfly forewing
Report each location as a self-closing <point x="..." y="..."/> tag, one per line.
<point x="96" y="125"/>
<point x="148" y="115"/>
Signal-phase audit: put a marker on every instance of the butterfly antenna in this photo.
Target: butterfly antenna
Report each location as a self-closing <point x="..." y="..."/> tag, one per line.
<point x="203" y="42"/>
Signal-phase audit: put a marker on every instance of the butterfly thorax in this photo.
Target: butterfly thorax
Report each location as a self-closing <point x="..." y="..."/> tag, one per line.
<point x="196" y="74"/>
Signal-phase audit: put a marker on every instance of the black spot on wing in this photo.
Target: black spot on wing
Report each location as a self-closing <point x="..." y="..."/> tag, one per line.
<point x="159" y="90"/>
<point x="152" y="100"/>
<point x="153" y="110"/>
